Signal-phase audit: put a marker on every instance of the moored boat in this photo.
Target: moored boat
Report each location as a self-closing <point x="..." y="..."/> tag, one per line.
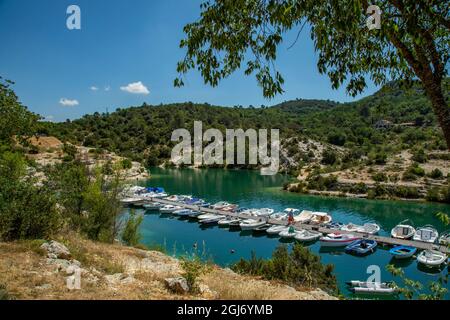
<point x="182" y="212"/>
<point x="228" y="220"/>
<point x="337" y="240"/>
<point x="220" y="205"/>
<point x="307" y="235"/>
<point x="444" y="239"/>
<point x="169" y="208"/>
<point x="251" y="224"/>
<point x="371" y="287"/>
<point x="432" y="258"/>
<point x="275" y="229"/>
<point x="130" y="200"/>
<point x="262" y="229"/>
<point x="279" y="216"/>
<point x="402" y="252"/>
<point x="152" y="206"/>
<point x="361" y="247"/>
<point x="288" y="233"/>
<point x="321" y="218"/>
<point x="304" y="217"/>
<point x="211" y="220"/>
<point x="403" y="230"/>
<point x="426" y="234"/>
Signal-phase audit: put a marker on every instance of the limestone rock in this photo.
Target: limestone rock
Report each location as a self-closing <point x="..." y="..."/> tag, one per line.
<point x="56" y="250"/>
<point x="177" y="285"/>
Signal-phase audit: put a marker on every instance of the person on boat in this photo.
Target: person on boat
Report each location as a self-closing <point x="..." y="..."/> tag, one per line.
<point x="363" y="244"/>
<point x="290" y="219"/>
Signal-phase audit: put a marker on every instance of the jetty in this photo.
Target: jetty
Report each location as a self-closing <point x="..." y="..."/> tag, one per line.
<point x="380" y="239"/>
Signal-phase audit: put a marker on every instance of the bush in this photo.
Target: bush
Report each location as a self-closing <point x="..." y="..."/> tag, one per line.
<point x="436" y="174"/>
<point x="131" y="235"/>
<point x="433" y="194"/>
<point x="379" y="177"/>
<point x="329" y="157"/>
<point x="192" y="269"/>
<point x="420" y="156"/>
<point x="127" y="164"/>
<point x="299" y="267"/>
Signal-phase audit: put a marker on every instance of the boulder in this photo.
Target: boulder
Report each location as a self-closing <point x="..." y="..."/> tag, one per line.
<point x="56" y="250"/>
<point x="177" y="285"/>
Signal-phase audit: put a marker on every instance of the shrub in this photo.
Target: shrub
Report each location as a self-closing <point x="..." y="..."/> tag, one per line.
<point x="299" y="267"/>
<point x="436" y="174"/>
<point x="192" y="269"/>
<point x="131" y="235"/>
<point x="420" y="156"/>
<point x="329" y="157"/>
<point x="379" y="177"/>
<point x="433" y="194"/>
<point x="127" y="164"/>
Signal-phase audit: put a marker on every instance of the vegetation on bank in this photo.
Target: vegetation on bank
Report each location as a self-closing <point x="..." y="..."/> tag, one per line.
<point x="298" y="267"/>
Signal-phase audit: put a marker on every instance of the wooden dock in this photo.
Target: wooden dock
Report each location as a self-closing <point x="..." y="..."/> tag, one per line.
<point x="298" y="226"/>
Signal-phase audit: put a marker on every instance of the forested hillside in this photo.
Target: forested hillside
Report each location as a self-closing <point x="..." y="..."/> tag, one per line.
<point x="143" y="133"/>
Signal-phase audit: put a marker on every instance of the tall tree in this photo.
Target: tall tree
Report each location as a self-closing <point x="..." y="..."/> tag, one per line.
<point x="412" y="43"/>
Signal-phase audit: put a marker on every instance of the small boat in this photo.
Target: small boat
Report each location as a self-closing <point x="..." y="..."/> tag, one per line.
<point x="335" y="225"/>
<point x="304" y="217"/>
<point x="152" y="206"/>
<point x="370" y="228"/>
<point x="228" y="220"/>
<point x="321" y="218"/>
<point x="403" y="231"/>
<point x="212" y="220"/>
<point x="291" y="211"/>
<point x="279" y="216"/>
<point x="235" y="224"/>
<point x="288" y="233"/>
<point x="251" y="224"/>
<point x="264" y="212"/>
<point x="194" y="214"/>
<point x="182" y="212"/>
<point x="337" y="240"/>
<point x="130" y="201"/>
<point x="207" y="216"/>
<point x="230" y="208"/>
<point x="220" y="205"/>
<point x="371" y="287"/>
<point x="361" y="247"/>
<point x="444" y="239"/>
<point x="307" y="235"/>
<point x="432" y="258"/>
<point x="262" y="229"/>
<point x="402" y="252"/>
<point x="351" y="227"/>
<point x="426" y="234"/>
<point x="174" y="198"/>
<point x="276" y="229"/>
<point x="169" y="208"/>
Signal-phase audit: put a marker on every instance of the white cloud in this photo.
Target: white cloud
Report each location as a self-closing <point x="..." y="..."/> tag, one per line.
<point x="49" y="118"/>
<point x="94" y="88"/>
<point x="136" y="88"/>
<point x="68" y="103"/>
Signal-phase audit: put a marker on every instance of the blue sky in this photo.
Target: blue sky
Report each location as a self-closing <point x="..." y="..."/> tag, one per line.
<point x="125" y="42"/>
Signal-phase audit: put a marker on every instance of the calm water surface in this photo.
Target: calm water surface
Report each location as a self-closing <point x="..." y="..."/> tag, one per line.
<point x="249" y="189"/>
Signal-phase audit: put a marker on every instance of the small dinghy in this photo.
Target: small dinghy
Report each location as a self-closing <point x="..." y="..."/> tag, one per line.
<point x="230" y="208"/>
<point x="432" y="258"/>
<point x="320" y="218"/>
<point x="262" y="229"/>
<point x="307" y="235"/>
<point x="227" y="221"/>
<point x="207" y="216"/>
<point x="279" y="216"/>
<point x="304" y="217"/>
<point x="220" y="205"/>
<point x="370" y="228"/>
<point x="361" y="247"/>
<point x="169" y="208"/>
<point x="426" y="234"/>
<point x="152" y="206"/>
<point x="371" y="287"/>
<point x="335" y="225"/>
<point x="264" y="212"/>
<point x="444" y="239"/>
<point x="251" y="224"/>
<point x="351" y="227"/>
<point x="403" y="231"/>
<point x="402" y="252"/>
<point x="288" y="233"/>
<point x="275" y="229"/>
<point x="182" y="212"/>
<point x="337" y="240"/>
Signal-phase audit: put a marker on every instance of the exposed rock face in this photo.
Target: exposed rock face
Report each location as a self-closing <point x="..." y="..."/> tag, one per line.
<point x="177" y="285"/>
<point x="56" y="250"/>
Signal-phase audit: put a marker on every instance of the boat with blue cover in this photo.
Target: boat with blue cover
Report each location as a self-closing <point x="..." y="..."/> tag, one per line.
<point x="361" y="247"/>
<point x="402" y="252"/>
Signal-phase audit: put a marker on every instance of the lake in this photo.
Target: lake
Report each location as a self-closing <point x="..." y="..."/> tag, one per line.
<point x="250" y="189"/>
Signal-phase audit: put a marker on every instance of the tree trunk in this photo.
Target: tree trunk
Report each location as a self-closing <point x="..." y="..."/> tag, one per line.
<point x="433" y="90"/>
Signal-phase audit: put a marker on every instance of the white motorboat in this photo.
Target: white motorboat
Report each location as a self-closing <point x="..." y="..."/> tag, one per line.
<point x="152" y="206"/>
<point x="304" y="217"/>
<point x="372" y="287"/>
<point x="279" y="216"/>
<point x="228" y="220"/>
<point x="370" y="228"/>
<point x="182" y="212"/>
<point x="288" y="233"/>
<point x="432" y="258"/>
<point x="174" y="198"/>
<point x="251" y="224"/>
<point x="403" y="231"/>
<point x="130" y="201"/>
<point x="337" y="240"/>
<point x="220" y="205"/>
<point x="351" y="227"/>
<point x="211" y="220"/>
<point x="307" y="235"/>
<point x="206" y="216"/>
<point x="276" y="229"/>
<point x="230" y="208"/>
<point x="426" y="234"/>
<point x="169" y="208"/>
<point x="321" y="218"/>
<point x="264" y="212"/>
<point x="444" y="239"/>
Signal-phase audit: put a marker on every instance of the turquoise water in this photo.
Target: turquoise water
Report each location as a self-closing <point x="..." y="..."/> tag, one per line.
<point x="249" y="189"/>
